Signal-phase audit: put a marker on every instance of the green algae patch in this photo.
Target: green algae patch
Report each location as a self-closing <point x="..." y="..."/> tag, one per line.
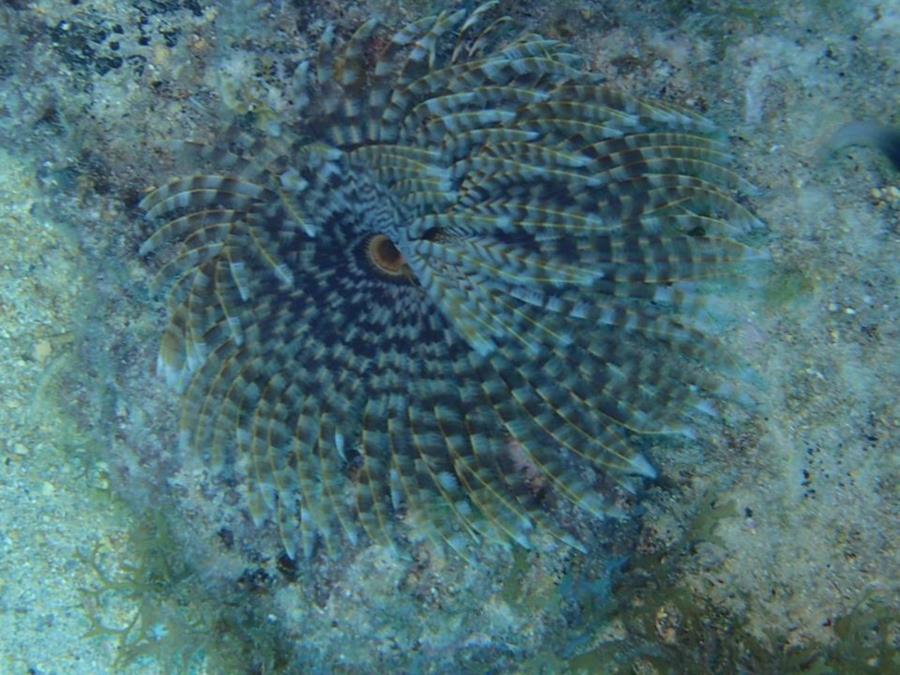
<point x="152" y="604"/>
<point x="151" y="623"/>
<point x="868" y="641"/>
<point x="786" y="287"/>
<point x="654" y="620"/>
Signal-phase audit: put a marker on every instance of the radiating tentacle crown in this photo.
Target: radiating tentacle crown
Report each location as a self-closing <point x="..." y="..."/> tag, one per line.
<point x="462" y="275"/>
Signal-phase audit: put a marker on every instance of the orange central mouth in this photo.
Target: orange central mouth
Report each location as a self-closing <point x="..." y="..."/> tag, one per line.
<point x="386" y="257"/>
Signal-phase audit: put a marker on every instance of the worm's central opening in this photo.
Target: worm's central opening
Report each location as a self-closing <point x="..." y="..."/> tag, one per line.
<point x="385" y="256"/>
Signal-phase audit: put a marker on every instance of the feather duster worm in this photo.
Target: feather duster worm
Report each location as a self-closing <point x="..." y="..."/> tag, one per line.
<point x="464" y="256"/>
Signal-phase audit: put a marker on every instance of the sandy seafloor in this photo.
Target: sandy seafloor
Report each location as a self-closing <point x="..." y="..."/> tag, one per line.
<point x="770" y="547"/>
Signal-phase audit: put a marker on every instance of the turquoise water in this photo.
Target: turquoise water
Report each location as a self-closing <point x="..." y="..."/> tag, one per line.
<point x="767" y="544"/>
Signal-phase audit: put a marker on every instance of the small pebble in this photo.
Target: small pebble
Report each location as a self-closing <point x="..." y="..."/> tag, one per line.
<point x="42" y="351"/>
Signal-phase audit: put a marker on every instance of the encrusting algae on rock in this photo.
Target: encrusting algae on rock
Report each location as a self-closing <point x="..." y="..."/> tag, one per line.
<point x="460" y="276"/>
